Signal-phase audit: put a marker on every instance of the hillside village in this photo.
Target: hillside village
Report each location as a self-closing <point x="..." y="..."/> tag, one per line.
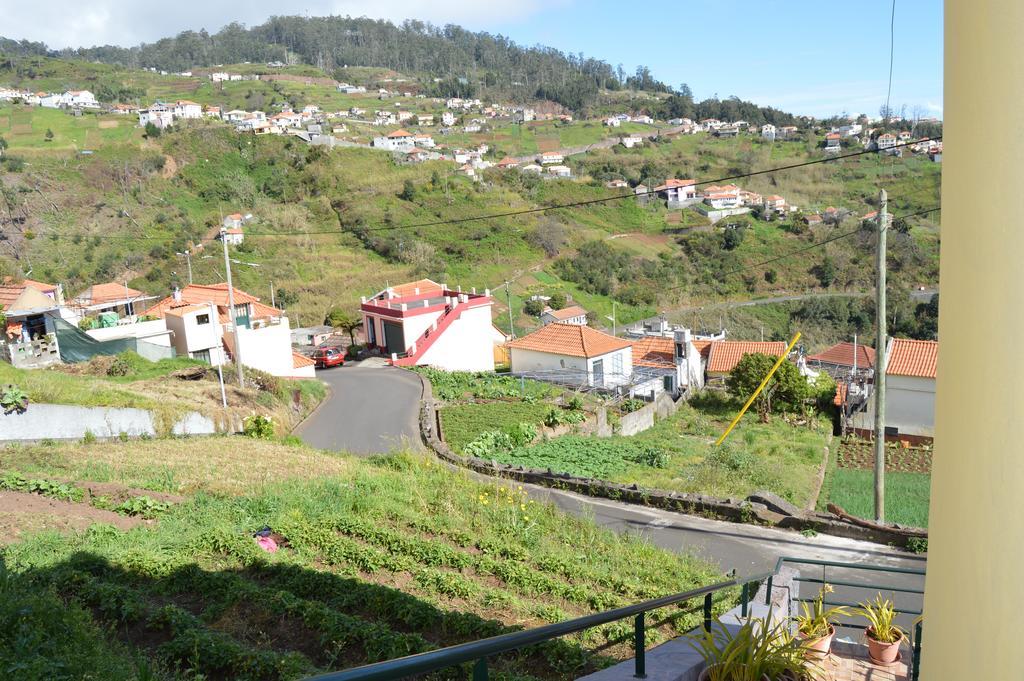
<point x="308" y="364"/>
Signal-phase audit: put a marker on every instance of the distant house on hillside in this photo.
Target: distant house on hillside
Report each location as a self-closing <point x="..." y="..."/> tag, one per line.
<point x="109" y="297"/>
<point x="678" y="192"/>
<point x="157" y="114"/>
<point x="910" y="391"/>
<point x="550" y="157"/>
<point x="674" y="364"/>
<point x="630" y="141"/>
<point x="186" y="109"/>
<point x="833" y="143"/>
<point x="399" y="140"/>
<point x="573" y="314"/>
<point x="840" y="360"/>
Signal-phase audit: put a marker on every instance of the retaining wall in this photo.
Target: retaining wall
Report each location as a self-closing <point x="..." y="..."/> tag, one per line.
<point x="762" y="508"/>
<point x="71" y="422"/>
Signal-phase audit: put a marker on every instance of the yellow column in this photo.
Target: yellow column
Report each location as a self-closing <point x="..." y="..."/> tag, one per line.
<point x="974" y="601"/>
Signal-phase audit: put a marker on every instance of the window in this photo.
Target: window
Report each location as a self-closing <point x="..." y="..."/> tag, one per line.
<point x="617" y="364"/>
<point x="201" y="355"/>
<point x="202" y="319"/>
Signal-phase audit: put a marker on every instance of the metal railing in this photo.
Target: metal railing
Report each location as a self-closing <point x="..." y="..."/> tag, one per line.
<point x="477" y="652"/>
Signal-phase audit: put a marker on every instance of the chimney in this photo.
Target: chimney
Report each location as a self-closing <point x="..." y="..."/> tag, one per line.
<point x="683" y="338"/>
<point x="176" y="295"/>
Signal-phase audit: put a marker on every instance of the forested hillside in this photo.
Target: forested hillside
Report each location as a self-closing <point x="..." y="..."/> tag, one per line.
<point x="450" y="60"/>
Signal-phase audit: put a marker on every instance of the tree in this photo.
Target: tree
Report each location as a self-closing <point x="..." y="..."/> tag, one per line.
<point x="771" y="276"/>
<point x="152" y="132"/>
<point x="49" y="135"/>
<point x="3" y="146"/>
<point x="786" y="390"/>
<point x="344" y="320"/>
<point x="548" y="236"/>
<point x="558" y="301"/>
<point x="533" y="307"/>
<point x="826" y="272"/>
<point x="732" y="237"/>
<point x="285" y="298"/>
<point x="408" y="192"/>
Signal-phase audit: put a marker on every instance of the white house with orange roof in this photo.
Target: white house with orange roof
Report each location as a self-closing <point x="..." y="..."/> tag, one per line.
<point x="678" y="192"/>
<point x="79" y="98"/>
<point x="573" y="314"/>
<point x="183" y="108"/>
<point x="575" y="355"/>
<point x="110" y="297"/>
<point x="910" y="371"/>
<point x="399" y="140"/>
<point x="671" y="364"/>
<point x="833" y="143"/>
<point x="257" y="335"/>
<point x="724" y="355"/>
<point x="551" y="158"/>
<point x="424" y="323"/>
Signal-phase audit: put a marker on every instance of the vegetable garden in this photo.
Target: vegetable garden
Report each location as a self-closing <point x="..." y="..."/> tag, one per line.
<point x="384" y="558"/>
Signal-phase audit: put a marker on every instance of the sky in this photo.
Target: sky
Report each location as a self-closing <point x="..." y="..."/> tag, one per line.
<point x="792" y="54"/>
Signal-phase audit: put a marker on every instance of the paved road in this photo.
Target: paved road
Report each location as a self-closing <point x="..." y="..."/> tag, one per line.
<point x="369" y="410"/>
<point x="373" y="409"/>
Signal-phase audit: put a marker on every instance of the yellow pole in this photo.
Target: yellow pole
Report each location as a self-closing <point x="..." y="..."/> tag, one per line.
<point x="759" y="389"/>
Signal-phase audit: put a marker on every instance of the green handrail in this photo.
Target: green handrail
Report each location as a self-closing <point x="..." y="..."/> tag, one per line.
<point x="477" y="652"/>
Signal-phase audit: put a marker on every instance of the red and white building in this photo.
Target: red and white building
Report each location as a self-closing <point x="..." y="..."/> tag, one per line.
<point x="424" y="323"/>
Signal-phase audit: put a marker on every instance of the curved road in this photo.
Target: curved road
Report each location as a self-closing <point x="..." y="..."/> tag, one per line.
<point x="374" y="410"/>
<point x="369" y="410"/>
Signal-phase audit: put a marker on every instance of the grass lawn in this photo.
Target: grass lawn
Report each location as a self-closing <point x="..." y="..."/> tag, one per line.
<point x="384" y="558"/>
<point x="906" y="495"/>
<point x="779" y="457"/>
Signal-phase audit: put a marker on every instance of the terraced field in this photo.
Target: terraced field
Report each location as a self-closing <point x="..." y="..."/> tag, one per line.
<point x="378" y="559"/>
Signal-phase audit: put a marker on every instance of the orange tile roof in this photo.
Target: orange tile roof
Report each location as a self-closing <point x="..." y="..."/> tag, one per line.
<point x="426" y="286"/>
<point x="400" y="133"/>
<point x="569" y="339"/>
<point x="198" y="293"/>
<point x="185" y="309"/>
<point x="106" y="293"/>
<point x="566" y="312"/>
<point x="300" y="361"/>
<point x="842" y="354"/>
<point x="841" y="391"/>
<point x="507" y="161"/>
<point x="11" y="291"/>
<point x="703" y="347"/>
<point x="832" y="136"/>
<point x="38" y="285"/>
<point x="654" y="351"/>
<point x="673" y="183"/>
<point x="912" y="358"/>
<point x="725" y="355"/>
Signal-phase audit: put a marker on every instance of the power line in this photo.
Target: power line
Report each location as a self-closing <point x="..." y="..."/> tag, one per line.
<point x="528" y="211"/>
<point x="892" y="52"/>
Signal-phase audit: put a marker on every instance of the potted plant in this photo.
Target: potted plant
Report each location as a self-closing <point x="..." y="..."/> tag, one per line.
<point x="884" y="637"/>
<point x="814" y="624"/>
<point x="759" y="650"/>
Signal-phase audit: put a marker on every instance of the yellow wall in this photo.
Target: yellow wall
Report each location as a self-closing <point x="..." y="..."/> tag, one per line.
<point x="973" y="601"/>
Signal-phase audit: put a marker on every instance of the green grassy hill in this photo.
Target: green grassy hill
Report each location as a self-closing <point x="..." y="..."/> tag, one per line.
<point x="382" y="558"/>
<point x="124" y="210"/>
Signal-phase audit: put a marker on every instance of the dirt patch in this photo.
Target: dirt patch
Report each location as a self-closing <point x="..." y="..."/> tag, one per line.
<point x="118" y="493"/>
<point x="250" y="624"/>
<point x="548" y="144"/>
<point x="22" y="513"/>
<point x="170" y="168"/>
<point x="103" y="125"/>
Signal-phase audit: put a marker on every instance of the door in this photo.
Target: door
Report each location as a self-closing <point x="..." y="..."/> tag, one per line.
<point x="394" y="338"/>
<point x="598" y="373"/>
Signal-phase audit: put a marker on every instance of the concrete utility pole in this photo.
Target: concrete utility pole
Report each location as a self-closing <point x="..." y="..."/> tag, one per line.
<point x="511" y="326"/>
<point x="232" y="317"/>
<point x="880" y="364"/>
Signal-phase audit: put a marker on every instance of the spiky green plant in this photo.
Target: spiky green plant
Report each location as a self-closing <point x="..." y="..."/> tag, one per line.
<point x="815" y="620"/>
<point x="881" y="616"/>
<point x="760" y="649"/>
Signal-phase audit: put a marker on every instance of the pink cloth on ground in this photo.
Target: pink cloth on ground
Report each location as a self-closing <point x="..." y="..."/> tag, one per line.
<point x="267" y="544"/>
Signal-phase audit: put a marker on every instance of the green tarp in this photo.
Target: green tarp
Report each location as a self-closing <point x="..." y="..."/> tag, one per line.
<point x="77" y="346"/>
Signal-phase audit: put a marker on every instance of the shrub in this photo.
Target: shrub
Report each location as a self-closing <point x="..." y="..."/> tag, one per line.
<point x="522" y="434"/>
<point x="119" y="367"/>
<point x="13" y="399"/>
<point x="259" y="427"/>
<point x="533" y="307"/>
<point x="631" y="405"/>
<point x="490" y="443"/>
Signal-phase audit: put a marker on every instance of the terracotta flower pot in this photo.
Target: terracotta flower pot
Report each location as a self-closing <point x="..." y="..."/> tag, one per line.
<point x="819" y="647"/>
<point x="881" y="652"/>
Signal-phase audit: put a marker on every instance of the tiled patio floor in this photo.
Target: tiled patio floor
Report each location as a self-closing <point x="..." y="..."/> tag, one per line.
<point x="854" y="665"/>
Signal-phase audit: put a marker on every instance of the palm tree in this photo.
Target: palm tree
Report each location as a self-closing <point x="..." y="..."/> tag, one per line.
<point x="345" y="321"/>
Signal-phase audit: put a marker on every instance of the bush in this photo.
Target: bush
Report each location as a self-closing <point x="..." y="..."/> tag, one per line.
<point x="631" y="405"/>
<point x="119" y="367"/>
<point x="490" y="443"/>
<point x="533" y="307"/>
<point x="259" y="427"/>
<point x="13" y="399"/>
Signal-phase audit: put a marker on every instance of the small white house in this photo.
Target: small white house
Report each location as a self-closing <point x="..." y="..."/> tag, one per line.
<point x="910" y="390"/>
<point x="612" y="122"/>
<point x="551" y="157"/>
<point x="158" y="114"/>
<point x="569" y="353"/>
<point x="573" y="314"/>
<point x="768" y="131"/>
<point x="186" y="109"/>
<point x="399" y="140"/>
<point x="79" y="98"/>
<point x="669" y="364"/>
<point x="196" y="332"/>
<point x="448" y="118"/>
<point x="678" y="192"/>
<point x="559" y="171"/>
<point x="630" y="141"/>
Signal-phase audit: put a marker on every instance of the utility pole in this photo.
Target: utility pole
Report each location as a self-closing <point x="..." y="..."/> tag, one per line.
<point x="880" y="345"/>
<point x="511" y="325"/>
<point x="272" y="303"/>
<point x="232" y="317"/>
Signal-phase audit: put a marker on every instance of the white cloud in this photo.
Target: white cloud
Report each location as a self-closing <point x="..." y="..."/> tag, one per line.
<point x="75" y="23"/>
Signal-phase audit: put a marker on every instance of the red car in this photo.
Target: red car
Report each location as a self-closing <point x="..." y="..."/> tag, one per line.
<point x="329" y="357"/>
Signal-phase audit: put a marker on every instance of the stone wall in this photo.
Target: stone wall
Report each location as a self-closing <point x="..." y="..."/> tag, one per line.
<point x="762" y="508"/>
<point x="640" y="420"/>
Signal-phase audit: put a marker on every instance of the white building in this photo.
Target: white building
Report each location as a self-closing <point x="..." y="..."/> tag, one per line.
<point x="424" y="323"/>
<point x="196" y="332"/>
<point x="448" y="118"/>
<point x="612" y="122"/>
<point x="573" y="314"/>
<point x="768" y="131"/>
<point x="79" y="98"/>
<point x="158" y="114"/>
<point x="630" y="141"/>
<point x="678" y="192"/>
<point x="399" y="140"/>
<point x="550" y="157"/>
<point x="559" y="171"/>
<point x="671" y="364"/>
<point x="570" y="353"/>
<point x="909" y="392"/>
<point x="186" y="109"/>
<point x="886" y="141"/>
